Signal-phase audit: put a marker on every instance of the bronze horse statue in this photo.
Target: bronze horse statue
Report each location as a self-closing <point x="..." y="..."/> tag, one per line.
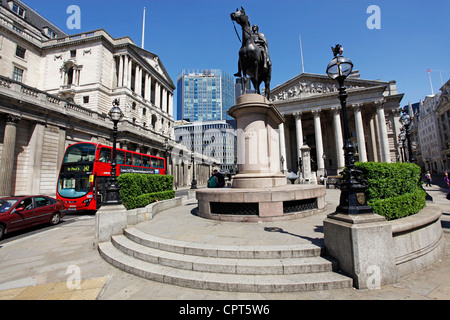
<point x="253" y="61"/>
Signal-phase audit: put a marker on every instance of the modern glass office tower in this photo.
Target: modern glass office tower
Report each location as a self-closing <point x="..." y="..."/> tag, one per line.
<point x="204" y="95"/>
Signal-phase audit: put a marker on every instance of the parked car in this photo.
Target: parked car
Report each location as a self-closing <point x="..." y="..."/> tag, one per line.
<point x="25" y="211"/>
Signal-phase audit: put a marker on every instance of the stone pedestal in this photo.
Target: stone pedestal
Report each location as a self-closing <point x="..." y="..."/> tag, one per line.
<point x="260" y="191"/>
<point x="363" y="246"/>
<point x="258" y="154"/>
<point x="109" y="220"/>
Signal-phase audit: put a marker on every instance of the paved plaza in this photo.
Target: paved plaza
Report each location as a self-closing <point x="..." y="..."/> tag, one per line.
<point x="62" y="263"/>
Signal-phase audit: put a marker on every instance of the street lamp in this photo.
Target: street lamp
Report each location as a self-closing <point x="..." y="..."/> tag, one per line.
<point x="353" y="189"/>
<point x="194" y="181"/>
<point x="166" y="151"/>
<point x="405" y="119"/>
<point x="112" y="193"/>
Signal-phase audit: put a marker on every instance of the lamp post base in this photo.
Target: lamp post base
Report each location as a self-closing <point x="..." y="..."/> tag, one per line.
<point x="112" y="195"/>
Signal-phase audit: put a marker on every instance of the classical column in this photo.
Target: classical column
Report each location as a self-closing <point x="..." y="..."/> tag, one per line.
<point x="120" y="77"/>
<point x="130" y="66"/>
<point x="171" y="104"/>
<point x="397" y="128"/>
<point x="158" y="95"/>
<point x="385" y="153"/>
<point x="147" y="87"/>
<point x="35" y="158"/>
<point x="136" y="79"/>
<point x="164" y="100"/>
<point x="125" y="71"/>
<point x="283" y="148"/>
<point x="299" y="131"/>
<point x="319" y="143"/>
<point x="339" y="139"/>
<point x="7" y="164"/>
<point x="360" y="132"/>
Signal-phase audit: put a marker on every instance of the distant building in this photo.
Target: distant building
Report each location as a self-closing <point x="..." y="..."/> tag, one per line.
<point x="204" y="95"/>
<point x="429" y="136"/>
<point x="443" y="115"/>
<point x="213" y="139"/>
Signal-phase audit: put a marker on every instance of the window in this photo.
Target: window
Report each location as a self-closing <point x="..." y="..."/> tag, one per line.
<point x="86" y="99"/>
<point x="17" y="74"/>
<point x="18" y="10"/>
<point x="105" y="155"/>
<point x="129" y="159"/>
<point x="120" y="157"/>
<point x="20" y="52"/>
<point x="73" y="53"/>
<point x="42" y="202"/>
<point x="161" y="164"/>
<point x="136" y="160"/>
<point x="146" y="161"/>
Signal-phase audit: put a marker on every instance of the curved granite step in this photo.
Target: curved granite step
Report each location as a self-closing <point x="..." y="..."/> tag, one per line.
<point x="222" y="265"/>
<point x="222" y="281"/>
<point x="223" y="251"/>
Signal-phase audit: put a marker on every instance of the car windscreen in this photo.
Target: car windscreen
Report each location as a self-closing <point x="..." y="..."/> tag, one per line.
<point x="6" y="204"/>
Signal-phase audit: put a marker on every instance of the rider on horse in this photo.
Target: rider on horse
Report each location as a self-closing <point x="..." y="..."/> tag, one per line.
<point x="261" y="41"/>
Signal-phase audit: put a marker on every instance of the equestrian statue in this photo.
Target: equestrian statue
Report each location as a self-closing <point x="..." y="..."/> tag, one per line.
<point x="254" y="58"/>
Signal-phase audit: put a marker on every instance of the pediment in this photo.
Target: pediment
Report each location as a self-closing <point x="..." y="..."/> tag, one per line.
<point x="310" y="85"/>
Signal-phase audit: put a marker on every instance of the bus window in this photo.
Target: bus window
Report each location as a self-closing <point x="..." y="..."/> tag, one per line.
<point x="80" y="153"/>
<point x="146" y="161"/>
<point x="161" y="164"/>
<point x="154" y="163"/>
<point x="105" y="155"/>
<point x="129" y="159"/>
<point x="120" y="157"/>
<point x="136" y="160"/>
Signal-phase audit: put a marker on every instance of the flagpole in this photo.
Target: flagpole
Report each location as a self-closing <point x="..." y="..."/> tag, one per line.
<point x="301" y="52"/>
<point x="431" y="83"/>
<point x="143" y="30"/>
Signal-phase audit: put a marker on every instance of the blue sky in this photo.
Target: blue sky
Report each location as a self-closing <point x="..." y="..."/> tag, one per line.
<point x="198" y="34"/>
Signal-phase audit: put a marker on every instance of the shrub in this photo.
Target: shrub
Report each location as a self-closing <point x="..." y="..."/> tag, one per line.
<point x="134" y="185"/>
<point x="394" y="189"/>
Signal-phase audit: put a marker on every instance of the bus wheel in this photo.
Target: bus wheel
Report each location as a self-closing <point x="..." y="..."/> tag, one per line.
<point x="56" y="218"/>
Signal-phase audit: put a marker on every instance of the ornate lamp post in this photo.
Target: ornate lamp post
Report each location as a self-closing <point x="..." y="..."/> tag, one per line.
<point x="194" y="181"/>
<point x="112" y="193"/>
<point x="353" y="189"/>
<point x="166" y="152"/>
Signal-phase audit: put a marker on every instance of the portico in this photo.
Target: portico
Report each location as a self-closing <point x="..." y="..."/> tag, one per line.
<point x="310" y="105"/>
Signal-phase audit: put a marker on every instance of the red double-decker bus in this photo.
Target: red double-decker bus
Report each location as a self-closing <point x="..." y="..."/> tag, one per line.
<point x="86" y="169"/>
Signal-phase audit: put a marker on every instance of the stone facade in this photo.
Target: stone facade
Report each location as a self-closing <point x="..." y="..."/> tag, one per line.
<point x="443" y="114"/>
<point x="311" y="107"/>
<point x="57" y="89"/>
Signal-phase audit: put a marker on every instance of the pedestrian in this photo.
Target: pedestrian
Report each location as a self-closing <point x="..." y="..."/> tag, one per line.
<point x="428" y="179"/>
<point x="212" y="182"/>
<point x="220" y="179"/>
<point x="447" y="181"/>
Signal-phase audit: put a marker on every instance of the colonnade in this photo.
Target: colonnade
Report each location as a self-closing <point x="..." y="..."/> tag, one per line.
<point x="377" y="130"/>
<point x="144" y="83"/>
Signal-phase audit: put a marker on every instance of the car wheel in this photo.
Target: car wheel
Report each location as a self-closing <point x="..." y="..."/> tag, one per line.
<point x="56" y="218"/>
<point x="2" y="231"/>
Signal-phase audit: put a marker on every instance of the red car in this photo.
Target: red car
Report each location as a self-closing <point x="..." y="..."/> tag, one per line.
<point x="22" y="212"/>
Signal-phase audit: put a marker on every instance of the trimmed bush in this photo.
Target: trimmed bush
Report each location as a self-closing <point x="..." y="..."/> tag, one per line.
<point x="146" y="199"/>
<point x="134" y="185"/>
<point x="394" y="189"/>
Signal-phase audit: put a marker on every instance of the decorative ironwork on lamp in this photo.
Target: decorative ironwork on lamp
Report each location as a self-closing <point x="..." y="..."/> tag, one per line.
<point x="353" y="198"/>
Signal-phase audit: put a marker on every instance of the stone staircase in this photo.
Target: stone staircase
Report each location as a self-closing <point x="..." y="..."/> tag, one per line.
<point x="290" y="268"/>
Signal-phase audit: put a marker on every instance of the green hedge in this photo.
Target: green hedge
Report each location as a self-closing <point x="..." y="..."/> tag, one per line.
<point x="394" y="189"/>
<point x="135" y="188"/>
